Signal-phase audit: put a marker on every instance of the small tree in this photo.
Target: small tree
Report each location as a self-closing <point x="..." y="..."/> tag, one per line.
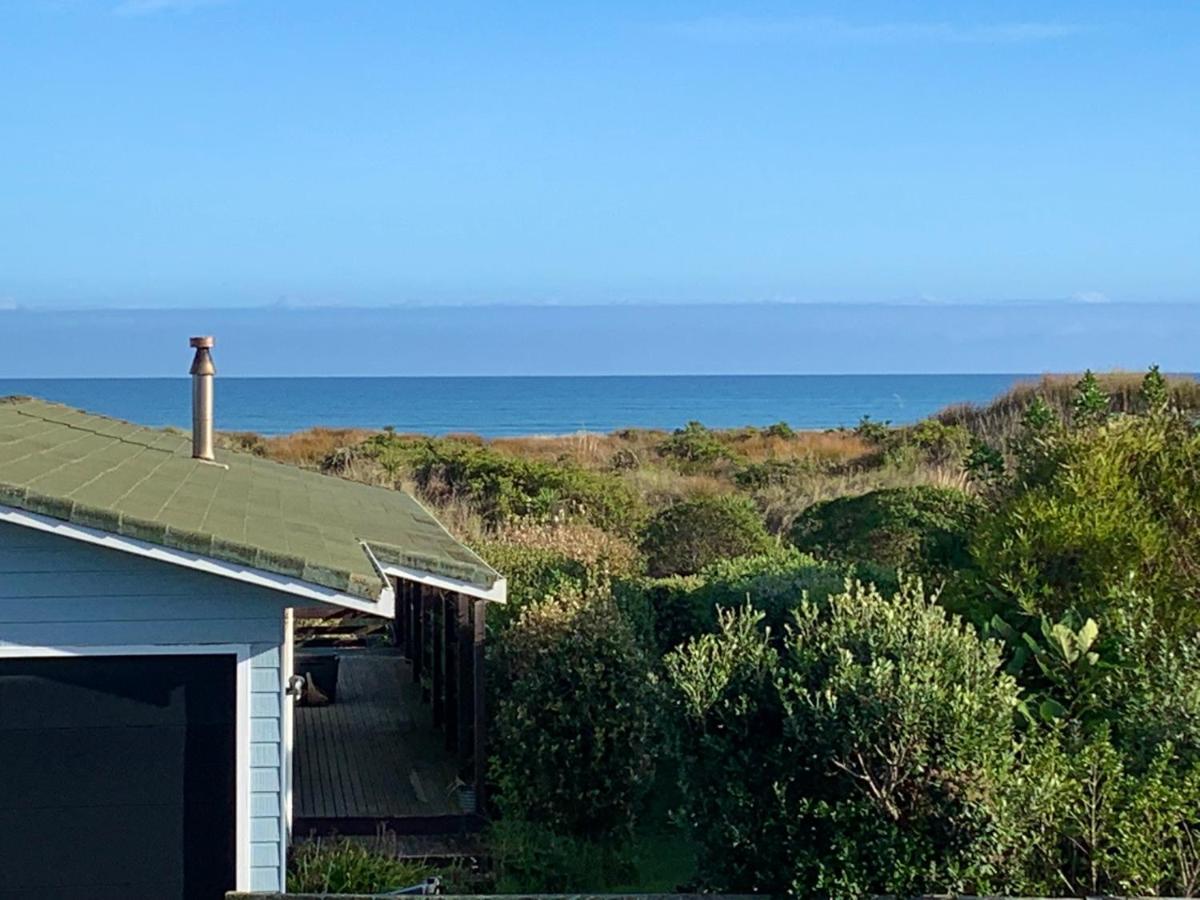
<point x="1156" y="393"/>
<point x="1089" y="406"/>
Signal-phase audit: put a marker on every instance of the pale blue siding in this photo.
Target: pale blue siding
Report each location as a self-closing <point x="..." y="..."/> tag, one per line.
<point x="59" y="592"/>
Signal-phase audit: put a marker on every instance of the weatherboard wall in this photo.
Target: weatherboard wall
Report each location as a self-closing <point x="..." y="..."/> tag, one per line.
<point x="57" y="592"/>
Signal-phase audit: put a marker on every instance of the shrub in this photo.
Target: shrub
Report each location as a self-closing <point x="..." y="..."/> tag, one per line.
<point x="688" y="535"/>
<point x="1089" y="825"/>
<point x="921" y="529"/>
<point x="937" y="443"/>
<point x="503" y="488"/>
<point x="693" y="446"/>
<point x="533" y="574"/>
<point x="575" y="731"/>
<point x="753" y="476"/>
<point x="863" y="756"/>
<point x="774" y="583"/>
<point x="345" y="867"/>
<point x="535" y="859"/>
<point x="1096" y="512"/>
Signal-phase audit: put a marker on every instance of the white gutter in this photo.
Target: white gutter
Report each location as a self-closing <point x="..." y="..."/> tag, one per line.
<point x="385" y="605"/>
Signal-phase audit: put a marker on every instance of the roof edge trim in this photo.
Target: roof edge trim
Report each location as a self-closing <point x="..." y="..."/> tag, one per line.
<point x="383" y="605"/>
<point x="497" y="593"/>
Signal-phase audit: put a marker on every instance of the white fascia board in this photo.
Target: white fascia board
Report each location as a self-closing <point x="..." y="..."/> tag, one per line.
<point x="385" y="605"/>
<point x="497" y="593"/>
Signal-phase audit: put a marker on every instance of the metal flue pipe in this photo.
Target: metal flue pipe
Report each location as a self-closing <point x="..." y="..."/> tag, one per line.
<point x="202" y="373"/>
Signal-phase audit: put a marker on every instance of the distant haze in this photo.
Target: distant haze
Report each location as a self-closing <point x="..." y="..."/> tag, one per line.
<point x="602" y="340"/>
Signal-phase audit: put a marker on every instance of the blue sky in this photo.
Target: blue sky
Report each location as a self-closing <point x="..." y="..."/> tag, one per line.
<point x="1023" y="178"/>
<point x="183" y="153"/>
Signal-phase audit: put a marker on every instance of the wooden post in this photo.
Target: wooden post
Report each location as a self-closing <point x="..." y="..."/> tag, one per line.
<point x="438" y="617"/>
<point x="480" y="693"/>
<point x="418" y="656"/>
<point x="453" y="662"/>
<point x="401" y="621"/>
<point x="466" y="681"/>
<point x="410" y="629"/>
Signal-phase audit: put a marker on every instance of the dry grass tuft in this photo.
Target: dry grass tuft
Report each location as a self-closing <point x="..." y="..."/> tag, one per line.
<point x="585" y="543"/>
<point x="302" y="448"/>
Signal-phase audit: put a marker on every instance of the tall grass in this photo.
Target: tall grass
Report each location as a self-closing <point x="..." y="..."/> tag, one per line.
<point x="343" y="866"/>
<point x="999" y="421"/>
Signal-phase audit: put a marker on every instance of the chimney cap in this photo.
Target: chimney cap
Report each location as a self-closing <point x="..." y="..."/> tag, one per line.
<point x="202" y="343"/>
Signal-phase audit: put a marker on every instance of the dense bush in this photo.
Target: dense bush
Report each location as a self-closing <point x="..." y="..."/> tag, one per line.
<point x="576" y="724"/>
<point x="502" y="488"/>
<point x="537" y="859"/>
<point x="921" y="529"/>
<point x="1089" y="824"/>
<point x="864" y="756"/>
<point x="690" y="534"/>
<point x="344" y="867"/>
<point x="774" y="583"/>
<point x="533" y="574"/>
<point x="1094" y="512"/>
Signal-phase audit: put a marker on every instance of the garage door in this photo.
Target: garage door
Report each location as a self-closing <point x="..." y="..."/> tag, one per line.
<point x="117" y="777"/>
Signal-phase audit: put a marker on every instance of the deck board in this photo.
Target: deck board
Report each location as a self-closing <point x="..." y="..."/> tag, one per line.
<point x="373" y="753"/>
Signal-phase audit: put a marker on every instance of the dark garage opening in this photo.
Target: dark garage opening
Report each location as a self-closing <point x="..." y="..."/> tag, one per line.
<point x="117" y="777"/>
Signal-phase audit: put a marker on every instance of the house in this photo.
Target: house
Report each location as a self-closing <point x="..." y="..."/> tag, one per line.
<point x="147" y="585"/>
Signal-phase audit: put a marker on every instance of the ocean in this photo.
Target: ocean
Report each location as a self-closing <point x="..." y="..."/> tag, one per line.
<point x="495" y="406"/>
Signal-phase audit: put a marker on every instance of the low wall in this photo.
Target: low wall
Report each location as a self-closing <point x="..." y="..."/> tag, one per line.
<point x="239" y="895"/>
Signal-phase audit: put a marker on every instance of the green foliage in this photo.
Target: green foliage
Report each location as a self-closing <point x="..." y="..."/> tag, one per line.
<point x="345" y="867"/>
<point x="664" y="611"/>
<point x="1091" y="826"/>
<point x="693" y="446"/>
<point x="690" y="534"/>
<point x="1156" y="393"/>
<point x="535" y="859"/>
<point x="780" y="430"/>
<point x="862" y="757"/>
<point x="503" y="488"/>
<point x="984" y="465"/>
<point x="1095" y="513"/>
<point x="1068" y="667"/>
<point x="769" y="472"/>
<point x="1089" y="406"/>
<point x="929" y="442"/>
<point x="533" y="574"/>
<point x="877" y="433"/>
<point x="576" y="724"/>
<point x="921" y="529"/>
<point x="774" y="583"/>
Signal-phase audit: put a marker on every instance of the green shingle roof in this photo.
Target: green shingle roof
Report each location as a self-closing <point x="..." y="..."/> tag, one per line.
<point x="143" y="483"/>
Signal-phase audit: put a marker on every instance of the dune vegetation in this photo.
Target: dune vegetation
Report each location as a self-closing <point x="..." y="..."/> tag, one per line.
<point x="960" y="655"/>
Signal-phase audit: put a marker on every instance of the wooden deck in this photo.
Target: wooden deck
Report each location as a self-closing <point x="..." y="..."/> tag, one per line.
<point x="372" y="755"/>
